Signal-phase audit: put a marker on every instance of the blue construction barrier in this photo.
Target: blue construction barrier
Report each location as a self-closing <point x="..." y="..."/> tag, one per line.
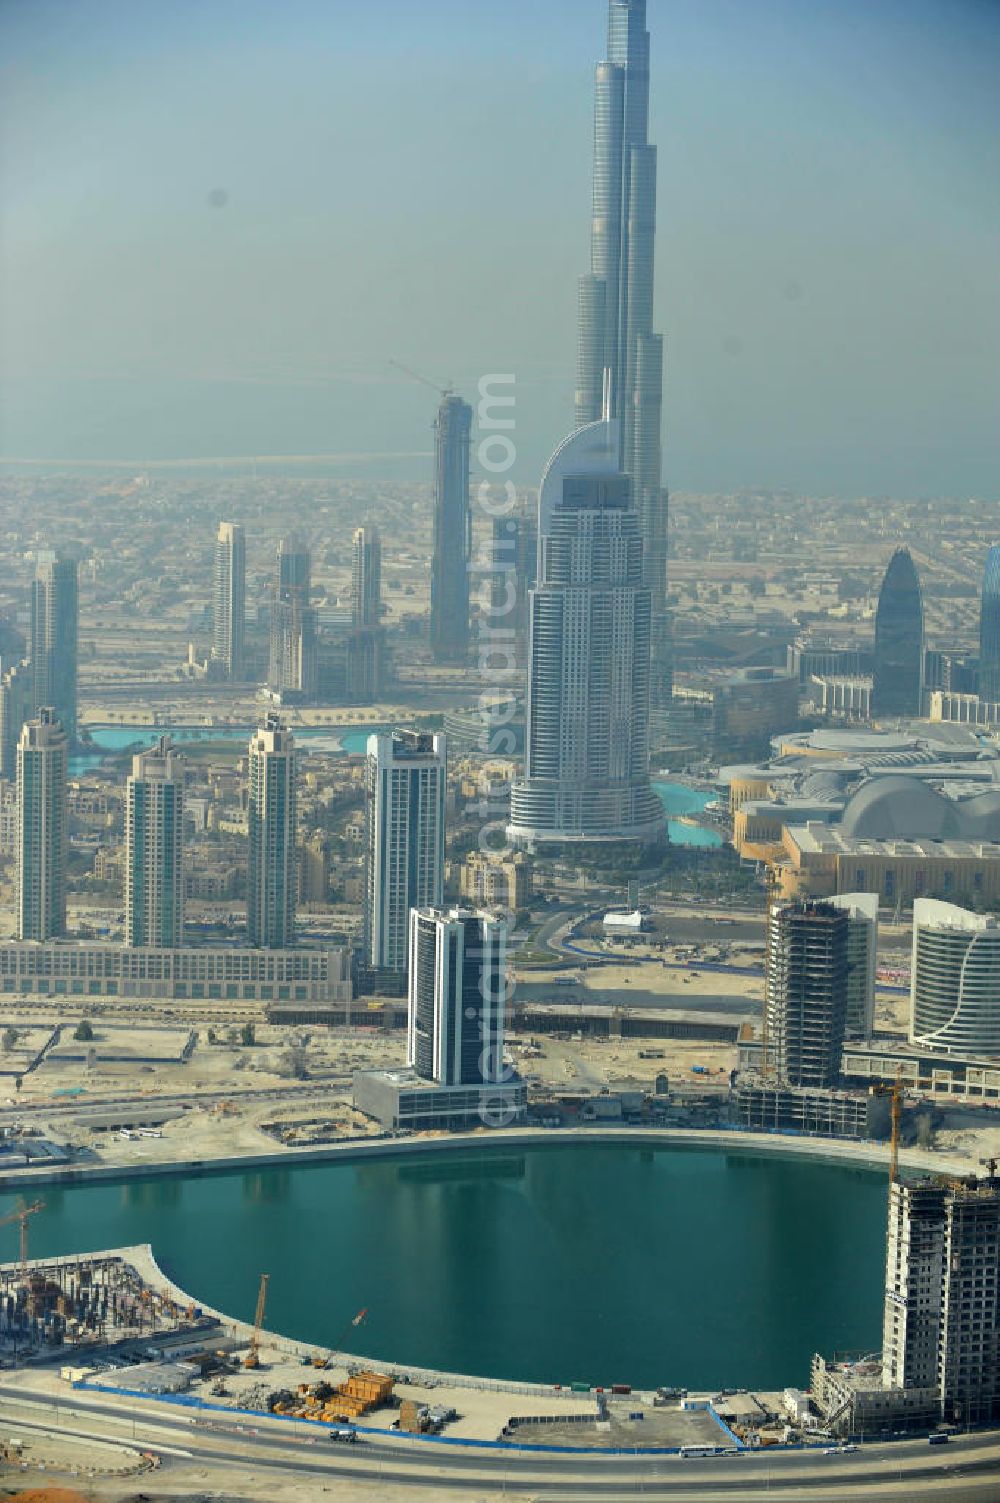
<point x="189" y="1401"/>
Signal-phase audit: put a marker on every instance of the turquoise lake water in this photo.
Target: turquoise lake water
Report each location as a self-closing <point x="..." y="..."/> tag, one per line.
<point x="607" y="1263"/>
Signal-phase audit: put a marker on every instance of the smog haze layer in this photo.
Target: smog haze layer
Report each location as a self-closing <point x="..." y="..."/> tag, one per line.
<point x="221" y="220"/>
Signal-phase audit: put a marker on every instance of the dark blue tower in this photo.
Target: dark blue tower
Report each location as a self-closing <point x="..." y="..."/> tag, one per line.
<point x="899" y="640"/>
<point x="989" y="629"/>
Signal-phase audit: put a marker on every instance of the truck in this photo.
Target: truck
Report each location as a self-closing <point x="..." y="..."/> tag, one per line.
<point x="344" y="1433"/>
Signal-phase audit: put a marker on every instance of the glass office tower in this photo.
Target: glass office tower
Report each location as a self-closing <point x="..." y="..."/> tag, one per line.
<point x="899" y="640"/>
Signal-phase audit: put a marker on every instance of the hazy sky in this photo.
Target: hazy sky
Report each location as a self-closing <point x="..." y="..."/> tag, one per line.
<point x="411" y="179"/>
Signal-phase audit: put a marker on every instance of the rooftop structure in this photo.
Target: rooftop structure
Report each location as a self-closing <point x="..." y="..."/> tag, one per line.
<point x="820" y="861"/>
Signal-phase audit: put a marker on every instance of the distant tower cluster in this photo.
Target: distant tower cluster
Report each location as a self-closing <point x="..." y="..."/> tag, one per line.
<point x="271" y="827"/>
<point x="229" y="600"/>
<point x="366" y="648"/>
<point x="457" y="992"/>
<point x="989" y="629"/>
<point x="55" y="609"/>
<point x="42" y="828"/>
<point x="897" y="689"/>
<point x="154" y="849"/>
<point x="405" y="788"/>
<point x="616" y="298"/>
<point x="805" y="992"/>
<point x="587" y="746"/>
<point x="452" y="532"/>
<point x="293" y="672"/>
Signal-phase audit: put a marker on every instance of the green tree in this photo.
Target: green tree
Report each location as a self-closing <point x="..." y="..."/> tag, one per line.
<point x="248" y="1035"/>
<point x="84" y="1031"/>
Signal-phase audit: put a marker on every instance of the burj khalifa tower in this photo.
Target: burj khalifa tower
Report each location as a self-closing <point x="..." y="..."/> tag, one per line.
<point x="616" y="297"/>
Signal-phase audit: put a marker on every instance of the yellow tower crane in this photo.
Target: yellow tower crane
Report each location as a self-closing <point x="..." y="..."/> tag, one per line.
<point x="252" y="1358"/>
<point x="21" y="1214"/>
<point x="896" y="1092"/>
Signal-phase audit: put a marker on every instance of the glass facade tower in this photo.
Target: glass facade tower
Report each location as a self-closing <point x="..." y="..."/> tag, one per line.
<point x="154" y="849"/>
<point x="42" y="828"/>
<point x="587" y="740"/>
<point x="452" y="532"/>
<point x="55" y="610"/>
<point x="229" y="599"/>
<point x="272" y="876"/>
<point x="989" y="629"/>
<point x="405" y="792"/>
<point x="615" y="317"/>
<point x="899" y="641"/>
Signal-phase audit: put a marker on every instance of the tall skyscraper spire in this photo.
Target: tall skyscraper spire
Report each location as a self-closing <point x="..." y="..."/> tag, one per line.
<point x="616" y="297"/>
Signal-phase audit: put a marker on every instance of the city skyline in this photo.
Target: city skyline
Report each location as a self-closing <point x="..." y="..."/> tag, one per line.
<point x="429" y="868"/>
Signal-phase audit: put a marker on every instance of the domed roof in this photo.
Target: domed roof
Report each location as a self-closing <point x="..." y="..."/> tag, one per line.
<point x="980" y="815"/>
<point x="900" y="808"/>
<point x="823" y="785"/>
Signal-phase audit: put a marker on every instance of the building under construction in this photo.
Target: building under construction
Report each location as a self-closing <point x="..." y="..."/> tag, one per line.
<point x="940" y="1359"/>
<point x="83" y="1303"/>
<point x="805" y="992"/>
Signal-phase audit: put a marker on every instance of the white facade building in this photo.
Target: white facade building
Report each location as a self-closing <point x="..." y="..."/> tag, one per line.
<point x="955" y="979"/>
<point x="229" y="599"/>
<point x="154" y="848"/>
<point x="405" y="784"/>
<point x="272" y="877"/>
<point x="42" y="828"/>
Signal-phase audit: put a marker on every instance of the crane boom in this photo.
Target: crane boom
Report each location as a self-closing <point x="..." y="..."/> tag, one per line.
<point x="21" y="1215"/>
<point x="897" y="1110"/>
<point x="253" y="1356"/>
<point x="444" y="391"/>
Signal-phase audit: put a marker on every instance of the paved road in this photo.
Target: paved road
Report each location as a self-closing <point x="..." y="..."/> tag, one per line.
<point x="969" y="1468"/>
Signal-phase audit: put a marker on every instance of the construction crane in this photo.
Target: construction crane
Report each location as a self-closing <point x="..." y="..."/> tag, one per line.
<point x="318" y="1360"/>
<point x="21" y="1214"/>
<point x="896" y="1092"/>
<point x="444" y="391"/>
<point x="252" y="1358"/>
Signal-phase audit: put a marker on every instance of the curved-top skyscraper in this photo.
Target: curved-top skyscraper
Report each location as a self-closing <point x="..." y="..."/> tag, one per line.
<point x="899" y="640"/>
<point x="989" y="629"/>
<point x="587" y="739"/>
<point x="616" y="299"/>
